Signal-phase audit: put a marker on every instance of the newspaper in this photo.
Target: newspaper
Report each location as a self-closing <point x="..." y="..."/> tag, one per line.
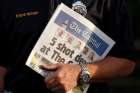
<point x="69" y="38"/>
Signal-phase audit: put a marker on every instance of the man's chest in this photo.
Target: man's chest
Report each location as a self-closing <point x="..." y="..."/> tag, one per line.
<point x="33" y="15"/>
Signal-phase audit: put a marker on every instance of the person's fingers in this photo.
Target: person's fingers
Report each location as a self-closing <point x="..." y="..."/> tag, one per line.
<point x="49" y="67"/>
<point x="50" y="82"/>
<point x="57" y="89"/>
<point x="54" y="85"/>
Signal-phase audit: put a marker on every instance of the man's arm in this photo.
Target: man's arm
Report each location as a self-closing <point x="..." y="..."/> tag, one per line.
<point x="2" y="75"/>
<point x="110" y="68"/>
<point x="66" y="75"/>
<point x="116" y="25"/>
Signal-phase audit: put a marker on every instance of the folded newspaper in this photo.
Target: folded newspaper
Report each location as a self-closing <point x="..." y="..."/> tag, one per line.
<point x="69" y="38"/>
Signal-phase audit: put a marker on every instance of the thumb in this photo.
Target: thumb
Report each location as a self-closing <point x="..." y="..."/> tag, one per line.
<point x="49" y="67"/>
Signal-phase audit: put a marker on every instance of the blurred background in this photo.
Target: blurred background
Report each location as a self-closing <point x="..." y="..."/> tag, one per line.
<point x="131" y="84"/>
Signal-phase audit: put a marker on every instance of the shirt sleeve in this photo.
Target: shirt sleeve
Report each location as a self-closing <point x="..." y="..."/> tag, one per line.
<point x="118" y="26"/>
<point x="111" y="16"/>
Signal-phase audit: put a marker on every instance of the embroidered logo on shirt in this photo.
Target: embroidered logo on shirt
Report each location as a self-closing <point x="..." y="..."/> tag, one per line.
<point x="24" y="14"/>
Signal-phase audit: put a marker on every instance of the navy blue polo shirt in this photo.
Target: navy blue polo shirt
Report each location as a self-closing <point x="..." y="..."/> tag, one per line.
<point x="7" y="22"/>
<point x="22" y="22"/>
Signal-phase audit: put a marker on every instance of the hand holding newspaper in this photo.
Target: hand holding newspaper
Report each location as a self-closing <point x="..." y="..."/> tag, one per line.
<point x="69" y="38"/>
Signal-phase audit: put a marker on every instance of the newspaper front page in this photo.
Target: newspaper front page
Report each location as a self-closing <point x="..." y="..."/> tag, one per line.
<point x="69" y="38"/>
